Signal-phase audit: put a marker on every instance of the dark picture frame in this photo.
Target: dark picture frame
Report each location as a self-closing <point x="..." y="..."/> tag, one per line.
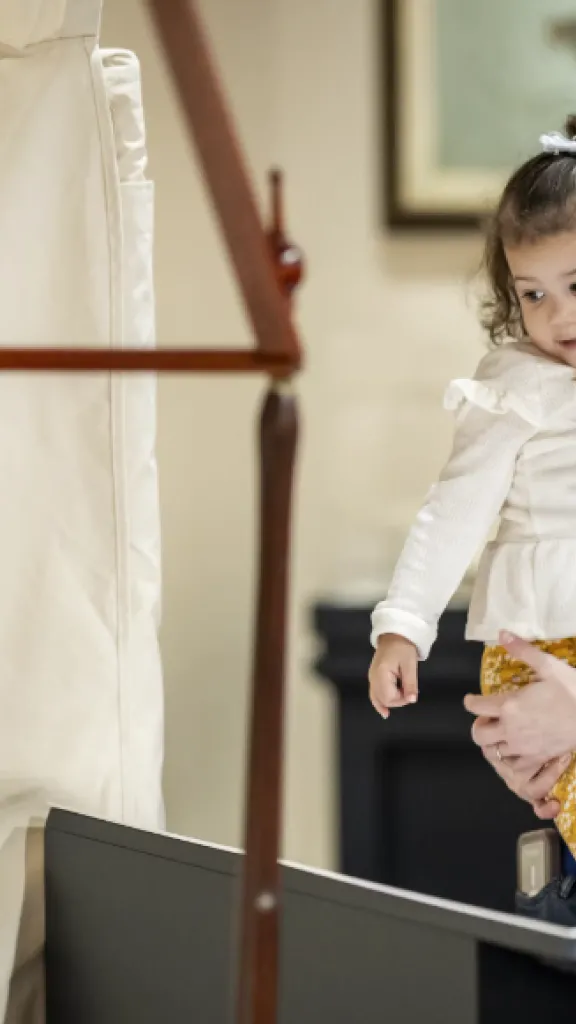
<point x="435" y="177"/>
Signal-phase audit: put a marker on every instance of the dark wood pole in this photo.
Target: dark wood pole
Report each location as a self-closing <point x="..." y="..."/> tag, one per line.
<point x="258" y="961"/>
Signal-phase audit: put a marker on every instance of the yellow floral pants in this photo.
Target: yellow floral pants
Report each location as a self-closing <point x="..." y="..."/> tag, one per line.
<point x="499" y="673"/>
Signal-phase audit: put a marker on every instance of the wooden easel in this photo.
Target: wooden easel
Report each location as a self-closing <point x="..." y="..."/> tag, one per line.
<point x="267" y="269"/>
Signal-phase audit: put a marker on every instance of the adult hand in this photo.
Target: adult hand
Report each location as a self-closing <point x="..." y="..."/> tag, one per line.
<point x="536" y="722"/>
<point x="528" y="779"/>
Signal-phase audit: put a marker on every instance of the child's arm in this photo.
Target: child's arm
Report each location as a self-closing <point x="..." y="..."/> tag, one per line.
<point x="448" y="531"/>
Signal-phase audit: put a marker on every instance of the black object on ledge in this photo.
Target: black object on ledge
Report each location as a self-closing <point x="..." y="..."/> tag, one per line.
<point x="419" y="806"/>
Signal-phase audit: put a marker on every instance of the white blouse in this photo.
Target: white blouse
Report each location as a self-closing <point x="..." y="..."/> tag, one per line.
<point x="514" y="455"/>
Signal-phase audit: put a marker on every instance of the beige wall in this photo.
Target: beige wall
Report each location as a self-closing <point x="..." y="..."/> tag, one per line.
<point x="385" y="322"/>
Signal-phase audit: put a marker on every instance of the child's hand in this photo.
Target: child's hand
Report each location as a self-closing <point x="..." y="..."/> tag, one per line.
<point x="393" y="674"/>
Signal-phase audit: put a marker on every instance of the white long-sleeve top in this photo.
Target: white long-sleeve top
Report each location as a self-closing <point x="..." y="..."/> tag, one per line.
<point x="513" y="456"/>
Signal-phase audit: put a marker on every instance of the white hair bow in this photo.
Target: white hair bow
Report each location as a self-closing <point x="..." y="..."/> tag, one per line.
<point x="555" y="142"/>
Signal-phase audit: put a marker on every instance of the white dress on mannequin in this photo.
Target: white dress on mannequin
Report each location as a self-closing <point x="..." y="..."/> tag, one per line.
<point x="80" y="680"/>
<point x="81" y="701"/>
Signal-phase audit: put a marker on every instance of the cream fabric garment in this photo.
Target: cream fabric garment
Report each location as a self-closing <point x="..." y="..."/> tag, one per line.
<point x="80" y="681"/>
<point x="514" y="455"/>
<point x="81" y="721"/>
<point x="22" y="920"/>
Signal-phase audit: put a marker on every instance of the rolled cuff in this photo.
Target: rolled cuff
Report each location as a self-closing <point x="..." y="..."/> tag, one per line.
<point x="394" y="620"/>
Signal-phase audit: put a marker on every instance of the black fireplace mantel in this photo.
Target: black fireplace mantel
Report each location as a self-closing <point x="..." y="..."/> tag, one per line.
<point x="419" y="806"/>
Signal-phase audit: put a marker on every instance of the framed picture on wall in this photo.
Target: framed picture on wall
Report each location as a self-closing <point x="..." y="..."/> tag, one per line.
<point x="470" y="85"/>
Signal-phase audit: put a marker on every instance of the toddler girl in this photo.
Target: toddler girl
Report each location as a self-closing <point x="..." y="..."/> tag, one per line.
<point x="513" y="456"/>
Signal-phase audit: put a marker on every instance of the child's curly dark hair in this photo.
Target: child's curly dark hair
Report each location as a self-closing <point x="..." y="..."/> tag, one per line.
<point x="539" y="200"/>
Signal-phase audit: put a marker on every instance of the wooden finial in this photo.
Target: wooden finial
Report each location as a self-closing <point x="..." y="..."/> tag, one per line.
<point x="288" y="257"/>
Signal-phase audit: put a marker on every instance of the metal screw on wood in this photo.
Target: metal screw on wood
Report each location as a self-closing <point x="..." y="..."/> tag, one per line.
<point x="265" y="902"/>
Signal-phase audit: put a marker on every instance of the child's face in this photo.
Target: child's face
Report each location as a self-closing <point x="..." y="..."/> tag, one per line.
<point x="544" y="274"/>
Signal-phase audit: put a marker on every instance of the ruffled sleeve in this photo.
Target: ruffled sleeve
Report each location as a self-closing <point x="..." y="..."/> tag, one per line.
<point x="514" y="394"/>
<point x="519" y="379"/>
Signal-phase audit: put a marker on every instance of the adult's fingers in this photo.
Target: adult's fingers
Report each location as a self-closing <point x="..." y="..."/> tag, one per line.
<point x="539" y="787"/>
<point x="546" y="809"/>
<point x="503" y="766"/>
<point x="523" y="767"/>
<point x="529" y="779"/>
<point x="489" y="732"/>
<point x="527" y="767"/>
<point x="488" y="706"/>
<point x="522" y="650"/>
